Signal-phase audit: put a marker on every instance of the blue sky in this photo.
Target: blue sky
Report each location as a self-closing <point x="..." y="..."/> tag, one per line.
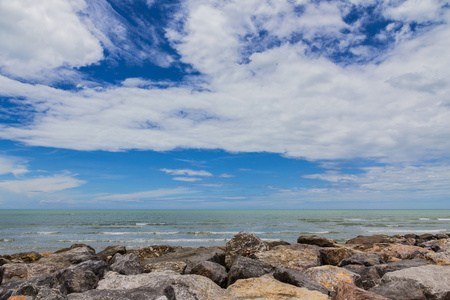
<point x="296" y="104"/>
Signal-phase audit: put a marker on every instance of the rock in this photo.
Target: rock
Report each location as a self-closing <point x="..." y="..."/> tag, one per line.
<point x="17" y="271"/>
<point x="26" y="289"/>
<point x="370" y="240"/>
<point x="400" y="265"/>
<point x="273" y="244"/>
<point x="316" y="240"/>
<point x="346" y="291"/>
<point x="269" y="289"/>
<point x="430" y="280"/>
<point x="403" y="290"/>
<point x="98" y="267"/>
<point x="334" y="255"/>
<point x="439" y="258"/>
<point x="162" y="284"/>
<point x="243" y="244"/>
<point x="7" y="289"/>
<point x="142" y="293"/>
<point x="155" y="251"/>
<point x="285" y="256"/>
<point x="369" y="276"/>
<point x="110" y="251"/>
<point x="128" y="264"/>
<point x="393" y="252"/>
<point x="75" y="280"/>
<point x="363" y="258"/>
<point x="67" y="257"/>
<point x="300" y="280"/>
<point x="331" y="276"/>
<point x="49" y="294"/>
<point x="244" y="267"/>
<point x="191" y="256"/>
<point x="213" y="271"/>
<point x="165" y="266"/>
<point x="4" y="261"/>
<point x="27" y="257"/>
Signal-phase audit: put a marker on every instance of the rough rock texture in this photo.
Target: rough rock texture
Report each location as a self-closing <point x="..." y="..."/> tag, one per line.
<point x="213" y="271"/>
<point x="439" y="258"/>
<point x="27" y="257"/>
<point x="300" y="280"/>
<point x="244" y="267"/>
<point x="282" y="256"/>
<point x="400" y="265"/>
<point x="126" y="264"/>
<point x="393" y="252"/>
<point x="155" y="251"/>
<point x="401" y="290"/>
<point x="433" y="280"/>
<point x="142" y="293"/>
<point x="191" y="256"/>
<point x="50" y="294"/>
<point x="365" y="259"/>
<point x="316" y="240"/>
<point x="370" y="240"/>
<point x="334" y="255"/>
<point x="243" y="244"/>
<point x="269" y="289"/>
<point x="110" y="251"/>
<point x="346" y="291"/>
<point x="165" y="266"/>
<point x="182" y="286"/>
<point x="75" y="280"/>
<point x="331" y="276"/>
<point x="369" y="276"/>
<point x="26" y="289"/>
<point x="16" y="271"/>
<point x="74" y="255"/>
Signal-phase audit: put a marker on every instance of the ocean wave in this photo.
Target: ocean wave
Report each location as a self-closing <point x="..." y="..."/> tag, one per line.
<point x="7" y="240"/>
<point x="424" y="219"/>
<point x="142" y="233"/>
<point x="407" y="231"/>
<point x="443" y="219"/>
<point x="146" y="224"/>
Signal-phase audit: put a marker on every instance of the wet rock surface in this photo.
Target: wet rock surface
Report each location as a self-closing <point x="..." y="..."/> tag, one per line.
<point x="373" y="267"/>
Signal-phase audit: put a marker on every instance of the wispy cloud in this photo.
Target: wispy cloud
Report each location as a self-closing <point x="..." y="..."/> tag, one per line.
<point x="187" y="179"/>
<point x="187" y="172"/>
<point x="41" y="184"/>
<point x="146" y="195"/>
<point x="225" y="175"/>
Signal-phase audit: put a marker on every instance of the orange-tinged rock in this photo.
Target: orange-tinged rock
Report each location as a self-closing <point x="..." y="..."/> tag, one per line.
<point x="394" y="252"/>
<point x="331" y="277"/>
<point x="18" y="298"/>
<point x="290" y="258"/>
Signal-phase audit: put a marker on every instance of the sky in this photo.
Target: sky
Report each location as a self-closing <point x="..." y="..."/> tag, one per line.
<point x="213" y="104"/>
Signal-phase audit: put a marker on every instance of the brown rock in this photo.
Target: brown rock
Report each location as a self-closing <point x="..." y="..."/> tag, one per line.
<point x="27" y="257"/>
<point x="155" y="251"/>
<point x="346" y="291"/>
<point x="368" y="241"/>
<point x="269" y="289"/>
<point x="17" y="271"/>
<point x="289" y="258"/>
<point x="393" y="252"/>
<point x="165" y="266"/>
<point x="334" y="255"/>
<point x="439" y="258"/>
<point x="277" y="243"/>
<point x="316" y="240"/>
<point x="331" y="276"/>
<point x="243" y="244"/>
<point x="19" y="298"/>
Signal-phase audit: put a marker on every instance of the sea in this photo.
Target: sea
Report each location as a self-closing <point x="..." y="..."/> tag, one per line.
<point x="50" y="230"/>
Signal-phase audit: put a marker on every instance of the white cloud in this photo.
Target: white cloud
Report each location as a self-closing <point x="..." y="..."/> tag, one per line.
<point x="187" y="179"/>
<point x="41" y="184"/>
<point x="225" y="175"/>
<point x="159" y="193"/>
<point x="415" y="10"/>
<point x="41" y="35"/>
<point x="12" y="165"/>
<point x="187" y="172"/>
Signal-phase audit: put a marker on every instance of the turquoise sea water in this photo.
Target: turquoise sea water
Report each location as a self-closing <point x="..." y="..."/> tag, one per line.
<point x="49" y="230"/>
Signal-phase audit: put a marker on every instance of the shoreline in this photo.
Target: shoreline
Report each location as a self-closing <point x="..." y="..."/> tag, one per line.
<point x="375" y="267"/>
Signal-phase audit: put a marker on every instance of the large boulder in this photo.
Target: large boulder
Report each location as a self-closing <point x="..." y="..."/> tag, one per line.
<point x="316" y="240"/>
<point x="369" y="276"/>
<point x="331" y="276"/>
<point x="298" y="257"/>
<point x="243" y="244"/>
<point x="400" y="290"/>
<point x="126" y="264"/>
<point x="18" y="271"/>
<point x="334" y="255"/>
<point x="213" y="271"/>
<point x="71" y="256"/>
<point x="395" y="252"/>
<point x="430" y="280"/>
<point x="27" y="257"/>
<point x="368" y="241"/>
<point x="400" y="265"/>
<point x="346" y="291"/>
<point x="363" y="258"/>
<point x="165" y="266"/>
<point x="244" y="267"/>
<point x="75" y="280"/>
<point x="110" y="251"/>
<point x="300" y="280"/>
<point x="269" y="289"/>
<point x="191" y="256"/>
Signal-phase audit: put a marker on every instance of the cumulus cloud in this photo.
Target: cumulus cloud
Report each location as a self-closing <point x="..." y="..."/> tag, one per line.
<point x="41" y="35"/>
<point x="262" y="91"/>
<point x="41" y="184"/>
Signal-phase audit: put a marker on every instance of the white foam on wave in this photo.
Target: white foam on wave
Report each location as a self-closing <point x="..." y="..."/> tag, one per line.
<point x="141" y="233"/>
<point x="47" y="232"/>
<point x="408" y="231"/>
<point x="146" y="224"/>
<point x="424" y="219"/>
<point x="443" y="219"/>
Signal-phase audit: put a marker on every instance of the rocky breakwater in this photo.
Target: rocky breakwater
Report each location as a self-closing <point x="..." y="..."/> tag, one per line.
<point x="373" y="267"/>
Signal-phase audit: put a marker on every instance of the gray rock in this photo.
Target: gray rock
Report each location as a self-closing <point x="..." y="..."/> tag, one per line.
<point x="26" y="289"/>
<point x="50" y="294"/>
<point x="400" y="265"/>
<point x="402" y="290"/>
<point x="243" y="244"/>
<point x="66" y="258"/>
<point x="142" y="293"/>
<point x="346" y="291"/>
<point x="18" y="271"/>
<point x="7" y="288"/>
<point x="364" y="258"/>
<point x="191" y="256"/>
<point x="75" y="280"/>
<point x="244" y="267"/>
<point x="316" y="240"/>
<point x="299" y="279"/>
<point x="369" y="276"/>
<point x="128" y="264"/>
<point x="98" y="267"/>
<point x="213" y="271"/>
<point x="110" y="251"/>
<point x="165" y="266"/>
<point x="431" y="280"/>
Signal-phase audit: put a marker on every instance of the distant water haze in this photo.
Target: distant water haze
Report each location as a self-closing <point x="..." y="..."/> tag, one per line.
<point x="50" y="230"/>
